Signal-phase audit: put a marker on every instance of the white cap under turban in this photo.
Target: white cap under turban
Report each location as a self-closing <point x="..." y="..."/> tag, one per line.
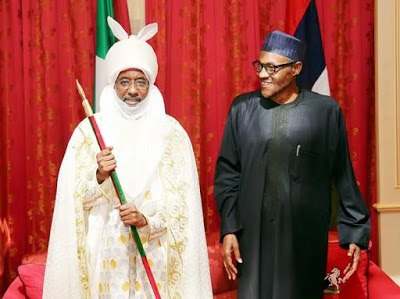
<point x="131" y="52"/>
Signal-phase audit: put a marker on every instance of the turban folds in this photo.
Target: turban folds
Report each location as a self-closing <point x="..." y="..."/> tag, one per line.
<point x="131" y="52"/>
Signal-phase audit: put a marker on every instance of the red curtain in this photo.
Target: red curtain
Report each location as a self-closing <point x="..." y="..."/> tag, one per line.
<point x="45" y="46"/>
<point x="205" y="50"/>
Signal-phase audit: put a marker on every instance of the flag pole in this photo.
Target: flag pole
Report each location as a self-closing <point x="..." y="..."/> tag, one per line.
<point x="118" y="188"/>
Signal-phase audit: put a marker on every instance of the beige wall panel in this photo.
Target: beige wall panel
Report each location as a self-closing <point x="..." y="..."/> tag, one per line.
<point x="387" y="59"/>
<point x="390" y="239"/>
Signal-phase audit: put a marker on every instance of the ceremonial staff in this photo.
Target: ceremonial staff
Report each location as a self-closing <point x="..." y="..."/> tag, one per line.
<point x="118" y="188"/>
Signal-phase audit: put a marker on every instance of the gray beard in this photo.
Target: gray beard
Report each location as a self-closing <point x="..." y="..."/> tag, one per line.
<point x="129" y="111"/>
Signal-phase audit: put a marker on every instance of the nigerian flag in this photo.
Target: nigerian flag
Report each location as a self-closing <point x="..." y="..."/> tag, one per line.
<point x="104" y="40"/>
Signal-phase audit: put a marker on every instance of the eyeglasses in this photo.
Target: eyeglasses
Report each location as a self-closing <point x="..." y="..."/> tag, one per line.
<point x="138" y="83"/>
<point x="269" y="67"/>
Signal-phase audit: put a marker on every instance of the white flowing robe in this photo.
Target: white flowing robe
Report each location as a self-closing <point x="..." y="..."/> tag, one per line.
<point x="91" y="252"/>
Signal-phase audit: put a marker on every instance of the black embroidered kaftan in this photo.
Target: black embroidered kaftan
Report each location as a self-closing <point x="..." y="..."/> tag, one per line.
<point x="273" y="190"/>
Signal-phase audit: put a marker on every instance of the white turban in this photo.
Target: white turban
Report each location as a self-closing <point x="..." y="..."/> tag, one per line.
<point x="131" y="52"/>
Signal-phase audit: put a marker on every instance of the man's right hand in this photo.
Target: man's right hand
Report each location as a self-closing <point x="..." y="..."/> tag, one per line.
<point x="230" y="247"/>
<point x="105" y="164"/>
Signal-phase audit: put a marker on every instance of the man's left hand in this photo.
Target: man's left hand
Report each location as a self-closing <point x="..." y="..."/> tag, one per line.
<point x="354" y="253"/>
<point x="130" y="215"/>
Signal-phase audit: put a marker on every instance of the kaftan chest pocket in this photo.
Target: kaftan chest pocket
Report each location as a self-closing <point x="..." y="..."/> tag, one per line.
<point x="306" y="165"/>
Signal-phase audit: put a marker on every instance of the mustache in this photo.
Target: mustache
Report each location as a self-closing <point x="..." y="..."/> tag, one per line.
<point x="134" y="97"/>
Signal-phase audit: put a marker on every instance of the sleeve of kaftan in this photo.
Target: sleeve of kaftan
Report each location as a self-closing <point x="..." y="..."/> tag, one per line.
<point x="353" y="215"/>
<point x="227" y="178"/>
<point x="156" y="225"/>
<point x="85" y="148"/>
<point x="173" y="168"/>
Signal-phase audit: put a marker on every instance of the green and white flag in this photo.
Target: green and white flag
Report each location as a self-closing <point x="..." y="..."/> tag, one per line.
<point x="104" y="40"/>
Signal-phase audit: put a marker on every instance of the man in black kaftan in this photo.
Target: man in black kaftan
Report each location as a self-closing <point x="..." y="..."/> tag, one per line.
<point x="281" y="149"/>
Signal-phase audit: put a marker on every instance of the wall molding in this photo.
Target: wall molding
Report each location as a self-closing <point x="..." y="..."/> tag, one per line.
<point x="386" y="208"/>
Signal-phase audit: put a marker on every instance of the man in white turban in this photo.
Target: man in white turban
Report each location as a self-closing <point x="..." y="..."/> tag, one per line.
<point x="91" y="251"/>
